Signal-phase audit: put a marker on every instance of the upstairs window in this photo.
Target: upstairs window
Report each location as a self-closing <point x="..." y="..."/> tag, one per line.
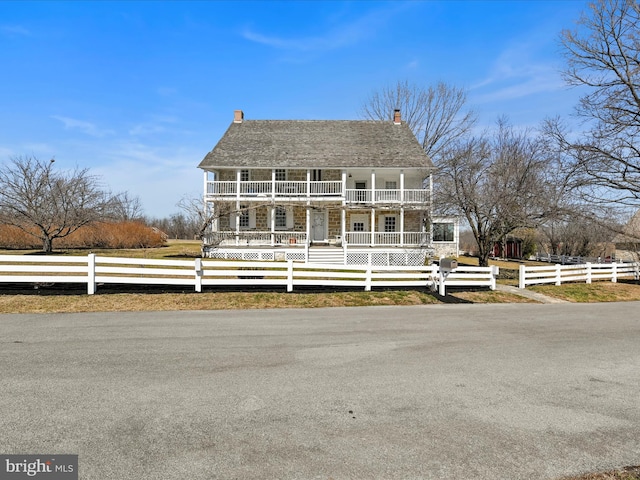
<point x="281" y="175"/>
<point x="316" y="175"/>
<point x="244" y="175"/>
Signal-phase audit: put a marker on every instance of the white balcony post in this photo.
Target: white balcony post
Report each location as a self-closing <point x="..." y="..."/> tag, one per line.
<point x="308" y="186"/>
<point x="273" y="183"/>
<point x="344" y="190"/>
<point x="401" y="187"/>
<point x="373" y="186"/>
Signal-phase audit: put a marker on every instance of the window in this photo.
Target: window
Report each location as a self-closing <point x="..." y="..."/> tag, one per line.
<point x="389" y="224"/>
<point x="316" y="175"/>
<point x="358" y="226"/>
<point x="443" y="232"/>
<point x="281" y="175"/>
<point x="391" y="185"/>
<point x="244" y="175"/>
<point x="281" y="217"/>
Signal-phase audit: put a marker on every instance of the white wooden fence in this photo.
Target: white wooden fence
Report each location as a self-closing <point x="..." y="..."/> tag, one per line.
<point x="588" y="272"/>
<point x="94" y="271"/>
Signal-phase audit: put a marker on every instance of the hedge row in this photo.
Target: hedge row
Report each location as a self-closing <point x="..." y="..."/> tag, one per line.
<point x="98" y="235"/>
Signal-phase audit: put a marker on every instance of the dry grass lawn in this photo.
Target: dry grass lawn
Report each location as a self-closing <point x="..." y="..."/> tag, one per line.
<point x="628" y="473"/>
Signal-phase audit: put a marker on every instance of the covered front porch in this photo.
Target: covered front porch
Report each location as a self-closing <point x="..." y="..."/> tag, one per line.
<point x="300" y="239"/>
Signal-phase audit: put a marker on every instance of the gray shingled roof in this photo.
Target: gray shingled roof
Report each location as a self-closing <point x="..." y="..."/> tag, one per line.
<point x="316" y="144"/>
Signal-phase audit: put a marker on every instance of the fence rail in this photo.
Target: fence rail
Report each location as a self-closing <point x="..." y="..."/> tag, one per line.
<point x="588" y="272"/>
<point x="94" y="271"/>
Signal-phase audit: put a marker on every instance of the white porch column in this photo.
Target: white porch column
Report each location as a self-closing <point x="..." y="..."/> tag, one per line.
<point x="238" y="176"/>
<point x="308" y="225"/>
<point x="401" y="187"/>
<point x="343" y="226"/>
<point x="308" y="185"/>
<point x="373" y="226"/>
<point x="401" y="224"/>
<point x="272" y="221"/>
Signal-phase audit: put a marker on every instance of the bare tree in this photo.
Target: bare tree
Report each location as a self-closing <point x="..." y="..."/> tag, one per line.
<point x="125" y="208"/>
<point x="48" y="204"/>
<point x="435" y="115"/>
<point x="602" y="57"/>
<point x="496" y="182"/>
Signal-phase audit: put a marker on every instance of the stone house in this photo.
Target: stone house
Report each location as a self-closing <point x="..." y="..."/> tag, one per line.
<point x="350" y="192"/>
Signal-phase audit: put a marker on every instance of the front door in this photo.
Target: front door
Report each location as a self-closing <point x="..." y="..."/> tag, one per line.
<point x="319" y="226"/>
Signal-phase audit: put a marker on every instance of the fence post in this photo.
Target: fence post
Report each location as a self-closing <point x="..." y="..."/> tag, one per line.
<point x="589" y="272"/>
<point x="442" y="290"/>
<point x="198" y="274"/>
<point x="290" y="276"/>
<point x="367" y="281"/>
<point x="614" y="273"/>
<point x="91" y="274"/>
<point x="558" y="274"/>
<point x="495" y="271"/>
<point x="521" y="277"/>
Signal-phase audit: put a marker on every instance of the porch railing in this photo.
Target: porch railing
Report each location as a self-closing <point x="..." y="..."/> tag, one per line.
<point x="250" y="237"/>
<point x="387" y="238"/>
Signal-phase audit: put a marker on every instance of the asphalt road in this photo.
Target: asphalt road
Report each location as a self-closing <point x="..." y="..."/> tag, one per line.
<point x="433" y="392"/>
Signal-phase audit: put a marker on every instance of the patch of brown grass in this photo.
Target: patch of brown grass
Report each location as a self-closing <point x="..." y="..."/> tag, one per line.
<point x="121" y="302"/>
<point x="491" y="297"/>
<point x="623" y="291"/>
<point x="628" y="473"/>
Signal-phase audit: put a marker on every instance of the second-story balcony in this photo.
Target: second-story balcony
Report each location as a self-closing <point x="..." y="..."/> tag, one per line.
<point x="317" y="191"/>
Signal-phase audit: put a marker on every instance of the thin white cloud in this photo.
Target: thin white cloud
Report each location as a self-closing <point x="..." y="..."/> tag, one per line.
<point x="413" y="64"/>
<point x="515" y="74"/>
<point x="84" y="127"/>
<point x="14" y="30"/>
<point x="157" y="124"/>
<point x="341" y="36"/>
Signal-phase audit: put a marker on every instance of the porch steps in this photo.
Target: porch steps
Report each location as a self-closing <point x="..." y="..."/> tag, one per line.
<point x="326" y="255"/>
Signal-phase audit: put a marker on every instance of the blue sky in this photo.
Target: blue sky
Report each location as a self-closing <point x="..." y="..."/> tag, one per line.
<point x="139" y="92"/>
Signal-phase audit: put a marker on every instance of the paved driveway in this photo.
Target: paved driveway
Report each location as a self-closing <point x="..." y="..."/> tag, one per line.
<point x="432" y="392"/>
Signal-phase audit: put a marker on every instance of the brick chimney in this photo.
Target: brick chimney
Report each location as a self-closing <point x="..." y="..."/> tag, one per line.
<point x="397" y="120"/>
<point x="238" y="116"/>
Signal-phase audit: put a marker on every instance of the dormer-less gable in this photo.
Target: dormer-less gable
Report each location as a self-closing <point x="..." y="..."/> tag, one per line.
<point x="316" y="144"/>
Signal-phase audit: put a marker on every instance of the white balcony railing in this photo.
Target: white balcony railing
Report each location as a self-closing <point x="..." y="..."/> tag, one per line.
<point x="387" y="196"/>
<point x="330" y="190"/>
